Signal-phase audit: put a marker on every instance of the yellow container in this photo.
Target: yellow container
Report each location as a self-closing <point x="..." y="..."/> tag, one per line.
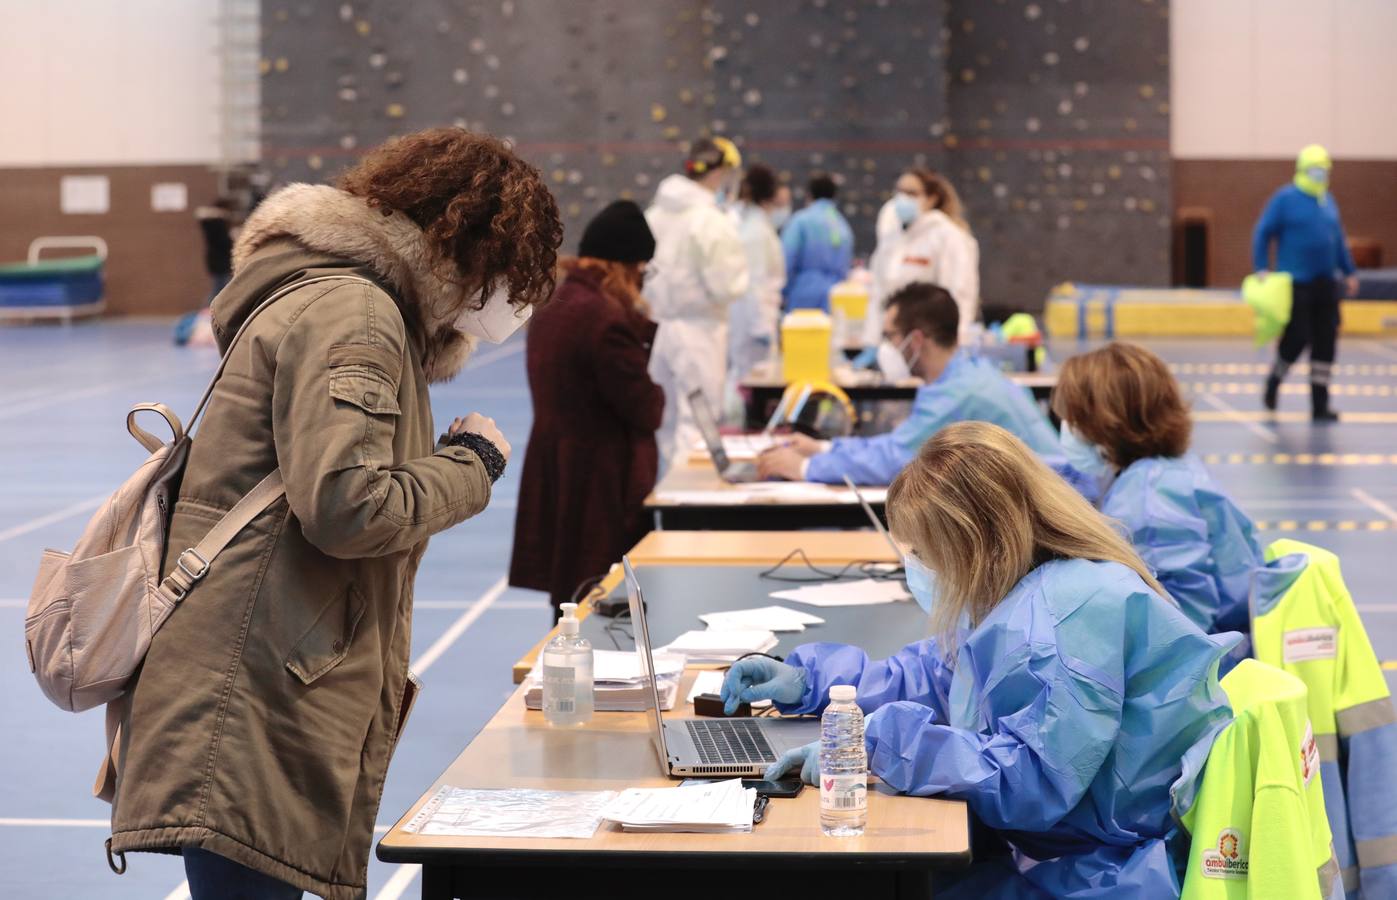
<point x="849" y="298"/>
<point x="805" y="346"/>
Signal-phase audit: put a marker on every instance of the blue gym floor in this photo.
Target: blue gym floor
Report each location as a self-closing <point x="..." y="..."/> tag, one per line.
<point x="63" y="448"/>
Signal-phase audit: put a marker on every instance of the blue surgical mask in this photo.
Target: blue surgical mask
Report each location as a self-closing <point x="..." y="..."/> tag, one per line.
<point x="922" y="582"/>
<point x="1318" y="174"/>
<point x="906" y="207"/>
<point x="779" y="216"/>
<point x="1085" y="457"/>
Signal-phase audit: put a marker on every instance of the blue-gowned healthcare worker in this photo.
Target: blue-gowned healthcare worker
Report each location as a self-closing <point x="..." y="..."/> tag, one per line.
<point x="919" y="339"/>
<point x="819" y="248"/>
<point x="1125" y="423"/>
<point x="1065" y="697"/>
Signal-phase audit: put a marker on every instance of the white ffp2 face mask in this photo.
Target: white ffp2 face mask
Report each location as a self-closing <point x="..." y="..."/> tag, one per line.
<point x="892" y="360"/>
<point x="496" y="321"/>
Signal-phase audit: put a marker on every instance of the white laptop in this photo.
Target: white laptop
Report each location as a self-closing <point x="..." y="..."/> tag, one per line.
<point x="704" y="747"/>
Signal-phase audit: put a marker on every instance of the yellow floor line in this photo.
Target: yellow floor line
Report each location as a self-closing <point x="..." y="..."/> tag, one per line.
<point x="1290" y="525"/>
<point x="1261" y="415"/>
<point x="1300" y="459"/>
<point x="1370" y="369"/>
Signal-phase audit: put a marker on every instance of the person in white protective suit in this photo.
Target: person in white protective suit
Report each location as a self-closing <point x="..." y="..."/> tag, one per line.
<point x="700" y="268"/>
<point x="765" y="205"/>
<point x="923" y="236"/>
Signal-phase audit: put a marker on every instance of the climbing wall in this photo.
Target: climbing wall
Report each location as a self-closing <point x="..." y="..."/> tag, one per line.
<point x="602" y="94"/>
<point x="1059" y="141"/>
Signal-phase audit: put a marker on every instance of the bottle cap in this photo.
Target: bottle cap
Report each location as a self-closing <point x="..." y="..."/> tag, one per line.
<point x="569" y="624"/>
<point x="843" y="693"/>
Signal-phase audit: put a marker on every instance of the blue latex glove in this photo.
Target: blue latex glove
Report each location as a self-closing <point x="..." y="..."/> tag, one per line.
<point x="759" y="678"/>
<point x="806" y="759"/>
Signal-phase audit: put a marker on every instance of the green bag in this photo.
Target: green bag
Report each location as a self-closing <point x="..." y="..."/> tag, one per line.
<point x="1270" y="301"/>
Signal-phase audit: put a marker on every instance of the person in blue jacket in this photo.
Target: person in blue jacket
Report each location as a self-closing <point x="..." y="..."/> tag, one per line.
<point x="819" y="248"/>
<point x="1063" y="697"/>
<point x="919" y="340"/>
<point x="1302" y="220"/>
<point x="1124" y="421"/>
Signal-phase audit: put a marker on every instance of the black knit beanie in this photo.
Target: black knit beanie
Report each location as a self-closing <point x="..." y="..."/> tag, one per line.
<point x="619" y="233"/>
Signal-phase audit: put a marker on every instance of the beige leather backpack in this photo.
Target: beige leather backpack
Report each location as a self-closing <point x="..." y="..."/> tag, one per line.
<point x="93" y="611"/>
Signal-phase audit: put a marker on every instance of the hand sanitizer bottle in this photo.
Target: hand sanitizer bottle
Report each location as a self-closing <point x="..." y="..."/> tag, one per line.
<point x="567" y="674"/>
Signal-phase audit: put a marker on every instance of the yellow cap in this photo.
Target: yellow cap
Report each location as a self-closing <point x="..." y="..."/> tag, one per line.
<point x="1312" y="156"/>
<point x="732" y="158"/>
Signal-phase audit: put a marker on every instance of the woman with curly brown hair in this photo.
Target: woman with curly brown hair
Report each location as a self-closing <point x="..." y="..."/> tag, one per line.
<point x="592" y="455"/>
<point x="259" y="731"/>
<point x="1125" y="423"/>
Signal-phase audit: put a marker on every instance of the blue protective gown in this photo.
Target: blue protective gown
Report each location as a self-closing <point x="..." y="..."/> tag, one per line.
<point x="968" y="389"/>
<point x="819" y="248"/>
<point x="1201" y="546"/>
<point x="1071" y="714"/>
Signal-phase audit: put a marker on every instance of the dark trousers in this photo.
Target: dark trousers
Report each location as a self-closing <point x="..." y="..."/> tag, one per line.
<point x="214" y="877"/>
<point x="1314" y="322"/>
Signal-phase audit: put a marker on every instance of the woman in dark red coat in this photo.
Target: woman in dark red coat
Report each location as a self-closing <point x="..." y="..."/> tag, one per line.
<point x="591" y="457"/>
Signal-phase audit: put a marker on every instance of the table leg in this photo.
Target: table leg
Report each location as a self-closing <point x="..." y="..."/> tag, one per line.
<point x="436" y="883"/>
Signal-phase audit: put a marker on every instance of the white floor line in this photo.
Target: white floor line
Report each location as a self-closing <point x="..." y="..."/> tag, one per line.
<point x="102" y="387"/>
<point x="179" y="893"/>
<point x="458" y="628"/>
<point x="1375" y="504"/>
<point x="496" y="355"/>
<point x="59" y="515"/>
<point x="406" y="874"/>
<point x="13" y="604"/>
<point x="400" y="882"/>
<point x="539" y="604"/>
<point x="1376" y="607"/>
<point x="1235" y="415"/>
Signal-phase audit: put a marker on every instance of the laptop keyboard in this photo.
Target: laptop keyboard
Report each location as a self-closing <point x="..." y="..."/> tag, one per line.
<point x="729" y="741"/>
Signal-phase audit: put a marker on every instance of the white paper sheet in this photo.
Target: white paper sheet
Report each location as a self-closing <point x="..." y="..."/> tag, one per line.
<point x="718" y="807"/>
<point x="763" y="618"/>
<point x="865" y="592"/>
<point x="84" y="194"/>
<point x="719" y="646"/>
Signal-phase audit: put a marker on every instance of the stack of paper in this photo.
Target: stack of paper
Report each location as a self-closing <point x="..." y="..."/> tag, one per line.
<point x="618" y="682"/>
<point x="720" y="807"/>
<point x="864" y="592"/>
<point x="709" y="647"/>
<point x="764" y="618"/>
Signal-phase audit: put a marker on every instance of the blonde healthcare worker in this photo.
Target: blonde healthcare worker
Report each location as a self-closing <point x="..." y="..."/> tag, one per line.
<point x="700" y="268"/>
<point x="926" y="239"/>
<point x="1063" y="696"/>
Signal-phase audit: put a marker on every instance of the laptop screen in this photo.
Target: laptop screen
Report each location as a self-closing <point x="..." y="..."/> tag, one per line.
<point x="708" y="427"/>
<point x="642" y="646"/>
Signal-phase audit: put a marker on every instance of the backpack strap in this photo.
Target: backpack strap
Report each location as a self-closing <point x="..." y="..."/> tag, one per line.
<point x="193" y="564"/>
<point x="148" y="440"/>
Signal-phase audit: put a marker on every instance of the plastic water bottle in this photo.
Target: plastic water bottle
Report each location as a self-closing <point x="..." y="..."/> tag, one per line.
<point x="567" y="674"/>
<point x="843" y="765"/>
